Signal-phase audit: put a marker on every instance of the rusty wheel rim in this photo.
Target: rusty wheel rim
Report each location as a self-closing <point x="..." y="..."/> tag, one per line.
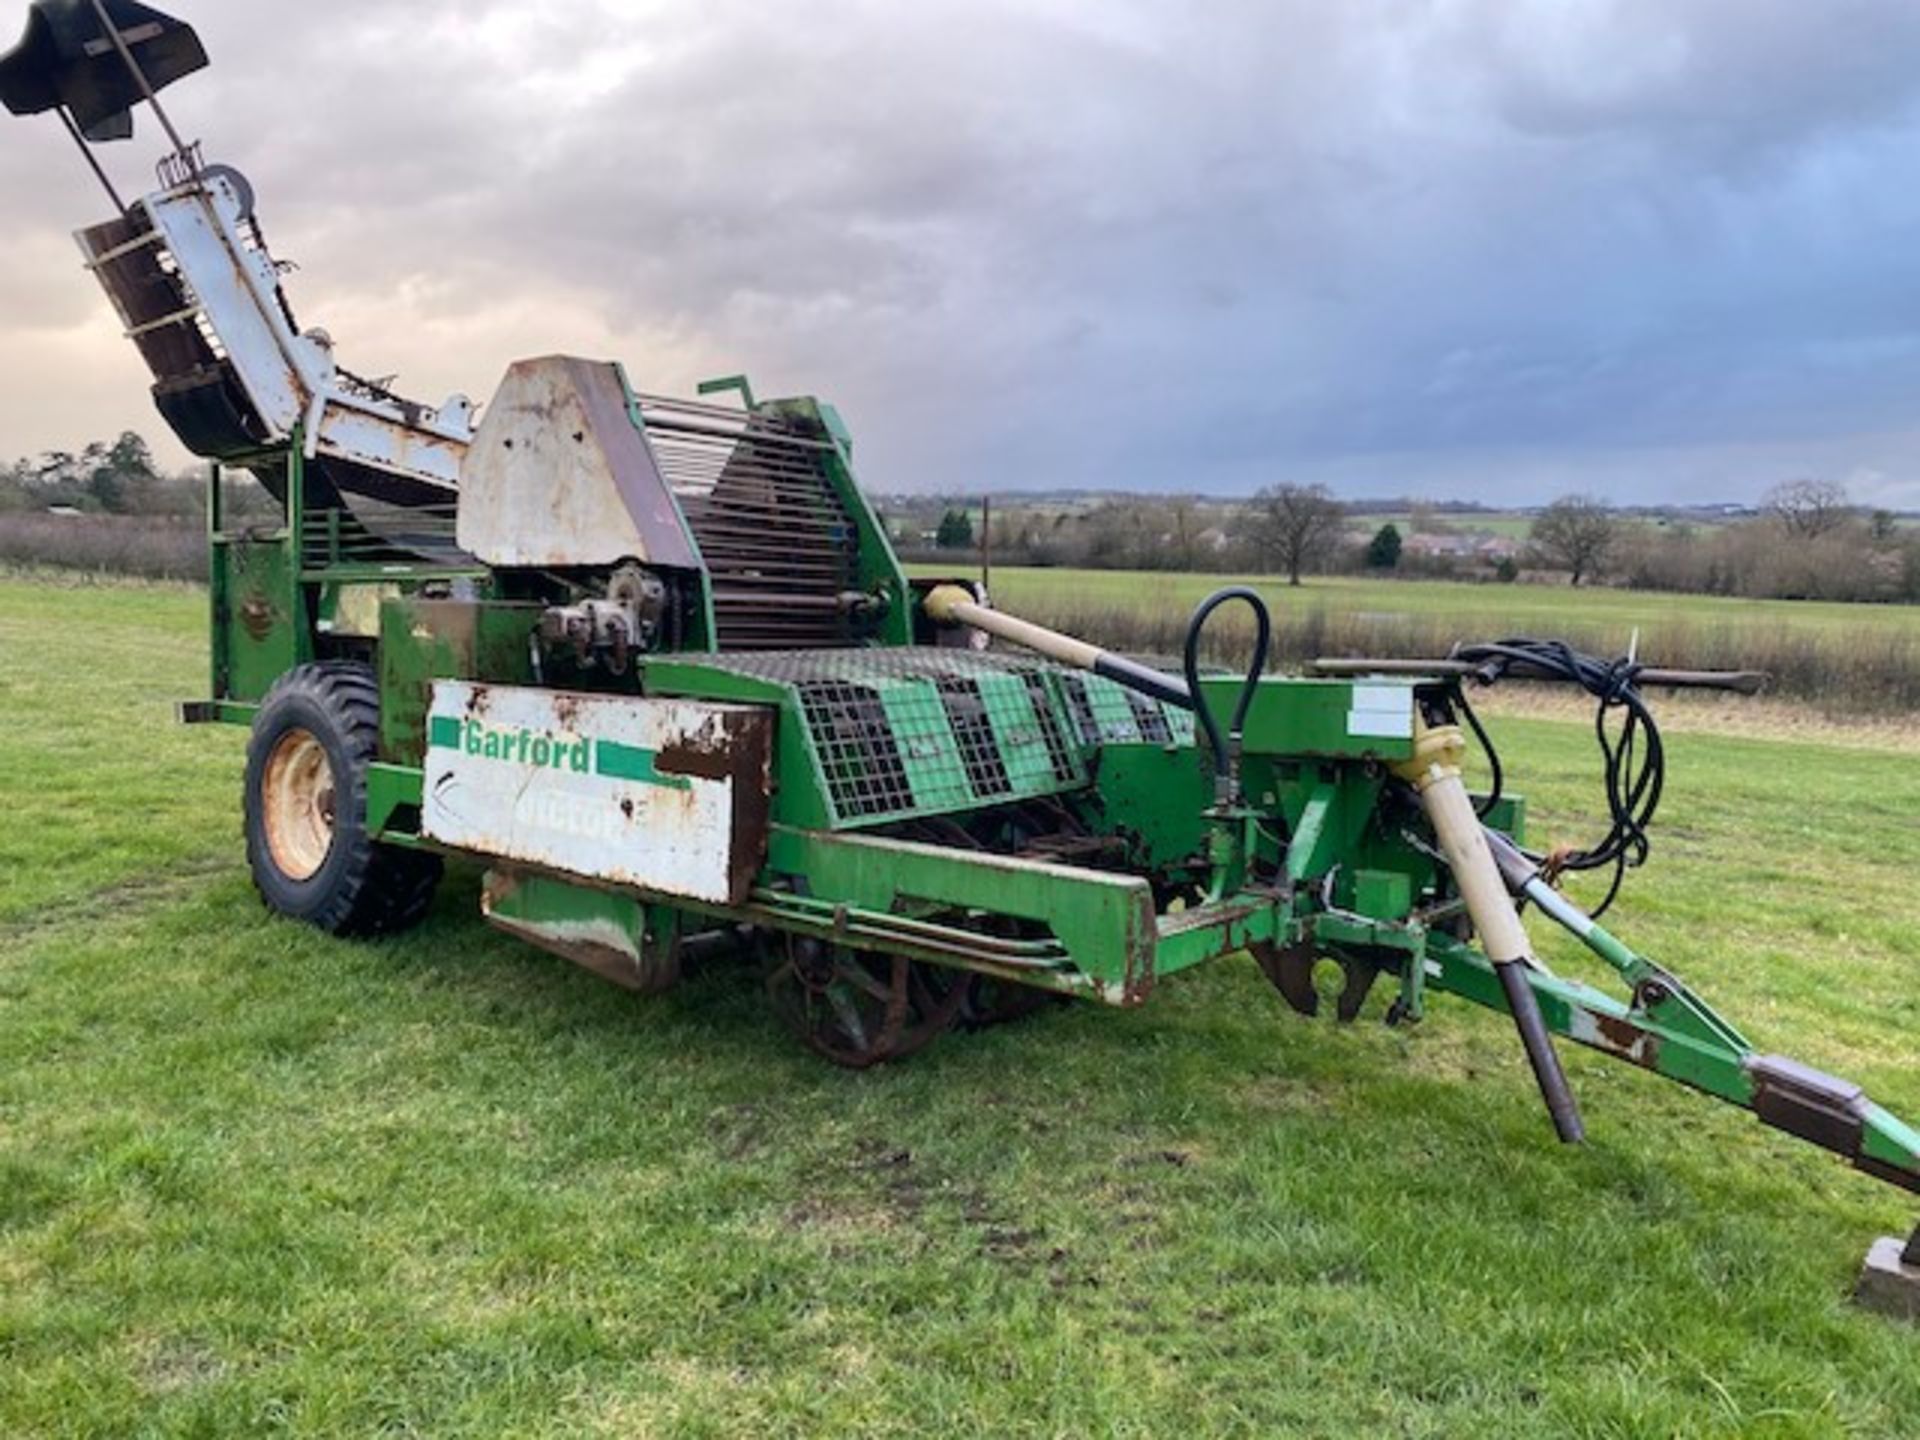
<point x="297" y="804"/>
<point x="856" y="1008"/>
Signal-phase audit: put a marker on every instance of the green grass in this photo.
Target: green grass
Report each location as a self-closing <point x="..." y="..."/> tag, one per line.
<point x="1493" y="609"/>
<point x="254" y="1180"/>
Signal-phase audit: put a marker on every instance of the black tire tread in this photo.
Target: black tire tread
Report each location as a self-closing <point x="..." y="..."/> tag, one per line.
<point x="374" y="889"/>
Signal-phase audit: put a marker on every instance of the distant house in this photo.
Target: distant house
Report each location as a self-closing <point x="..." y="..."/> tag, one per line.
<point x="1458" y="546"/>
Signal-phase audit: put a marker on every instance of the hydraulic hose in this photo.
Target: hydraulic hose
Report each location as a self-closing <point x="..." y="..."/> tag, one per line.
<point x="1226" y="753"/>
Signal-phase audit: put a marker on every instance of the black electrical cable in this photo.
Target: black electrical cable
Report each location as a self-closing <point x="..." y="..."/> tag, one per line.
<point x="1633" y="759"/>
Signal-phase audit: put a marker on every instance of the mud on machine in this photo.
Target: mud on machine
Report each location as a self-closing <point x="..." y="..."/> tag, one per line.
<point x="653" y="663"/>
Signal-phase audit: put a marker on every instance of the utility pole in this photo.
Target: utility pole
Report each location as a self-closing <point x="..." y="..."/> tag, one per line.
<point x="986" y="544"/>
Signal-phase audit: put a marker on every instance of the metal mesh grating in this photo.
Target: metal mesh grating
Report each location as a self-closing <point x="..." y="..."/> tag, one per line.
<point x="1149" y="718"/>
<point x="857" y="748"/>
<point x="973" y="731"/>
<point x="868" y="665"/>
<point x="1086" y="725"/>
<point x="918" y="731"/>
<point x="1107" y="713"/>
<point x="1052" y="733"/>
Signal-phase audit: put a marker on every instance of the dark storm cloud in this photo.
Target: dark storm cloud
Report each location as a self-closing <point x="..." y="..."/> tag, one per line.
<point x="1497" y="247"/>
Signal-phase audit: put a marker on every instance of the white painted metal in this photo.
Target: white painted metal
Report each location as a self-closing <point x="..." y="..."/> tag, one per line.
<point x="290" y="377"/>
<point x="571" y="781"/>
<point x="560" y="473"/>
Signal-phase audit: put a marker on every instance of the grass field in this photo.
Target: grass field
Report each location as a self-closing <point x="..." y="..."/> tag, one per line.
<point x="254" y="1180"/>
<point x="1474" y="607"/>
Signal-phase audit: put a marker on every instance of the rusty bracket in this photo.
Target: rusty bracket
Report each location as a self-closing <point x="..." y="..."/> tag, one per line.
<point x="1290" y="968"/>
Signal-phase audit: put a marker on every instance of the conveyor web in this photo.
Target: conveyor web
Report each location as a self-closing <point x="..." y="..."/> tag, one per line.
<point x="779" y="546"/>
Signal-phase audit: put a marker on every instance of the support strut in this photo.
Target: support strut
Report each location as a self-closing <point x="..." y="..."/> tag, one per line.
<point x="1434" y="773"/>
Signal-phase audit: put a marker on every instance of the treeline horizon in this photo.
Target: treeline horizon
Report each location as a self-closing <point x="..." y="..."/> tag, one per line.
<point x="109" y="506"/>
<point x="1806" y="540"/>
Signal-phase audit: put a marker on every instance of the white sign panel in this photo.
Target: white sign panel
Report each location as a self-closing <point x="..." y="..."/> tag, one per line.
<point x="1381" y="712"/>
<point x="652" y="793"/>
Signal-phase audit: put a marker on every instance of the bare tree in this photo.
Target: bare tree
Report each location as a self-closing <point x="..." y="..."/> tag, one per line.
<point x="1183" y="534"/>
<point x="1297" y="525"/>
<point x="1576" y="533"/>
<point x="1808" y="509"/>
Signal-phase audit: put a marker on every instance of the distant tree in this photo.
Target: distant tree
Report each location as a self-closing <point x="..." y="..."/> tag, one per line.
<point x="1383" y="551"/>
<point x="955" y="532"/>
<point x="1296" y="525"/>
<point x="1114" y="533"/>
<point x="1808" y="509"/>
<point x="1883" y="525"/>
<point x="1507" y="571"/>
<point x="1576" y="533"/>
<point x="14" y="494"/>
<point x="1183" y="535"/>
<point x="118" y="478"/>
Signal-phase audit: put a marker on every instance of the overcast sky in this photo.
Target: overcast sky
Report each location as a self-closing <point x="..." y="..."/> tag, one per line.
<point x="1492" y="249"/>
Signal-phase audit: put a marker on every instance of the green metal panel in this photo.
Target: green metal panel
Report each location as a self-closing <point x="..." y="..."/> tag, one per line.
<point x="260" y="626"/>
<point x="1154" y="794"/>
<point x="1192" y="937"/>
<point x="393" y="801"/>
<point x="929" y="752"/>
<point x="1381" y="894"/>
<point x="423" y="640"/>
<point x="1017" y="733"/>
<point x="1291" y="716"/>
<point x="617" y="936"/>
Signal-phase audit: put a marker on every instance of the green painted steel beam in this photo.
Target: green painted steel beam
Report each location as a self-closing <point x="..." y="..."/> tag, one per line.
<point x="1818" y="1108"/>
<point x="1105" y="922"/>
<point x="1191" y="937"/>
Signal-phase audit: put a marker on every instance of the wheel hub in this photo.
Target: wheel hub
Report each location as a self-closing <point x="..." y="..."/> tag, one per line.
<point x="298" y="804"/>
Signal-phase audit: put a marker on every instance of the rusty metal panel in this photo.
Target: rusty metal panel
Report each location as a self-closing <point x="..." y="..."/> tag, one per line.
<point x="561" y="474"/>
<point x="668" y="796"/>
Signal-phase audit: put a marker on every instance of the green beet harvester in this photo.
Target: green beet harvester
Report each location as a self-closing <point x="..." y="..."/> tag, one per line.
<point x="653" y="663"/>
